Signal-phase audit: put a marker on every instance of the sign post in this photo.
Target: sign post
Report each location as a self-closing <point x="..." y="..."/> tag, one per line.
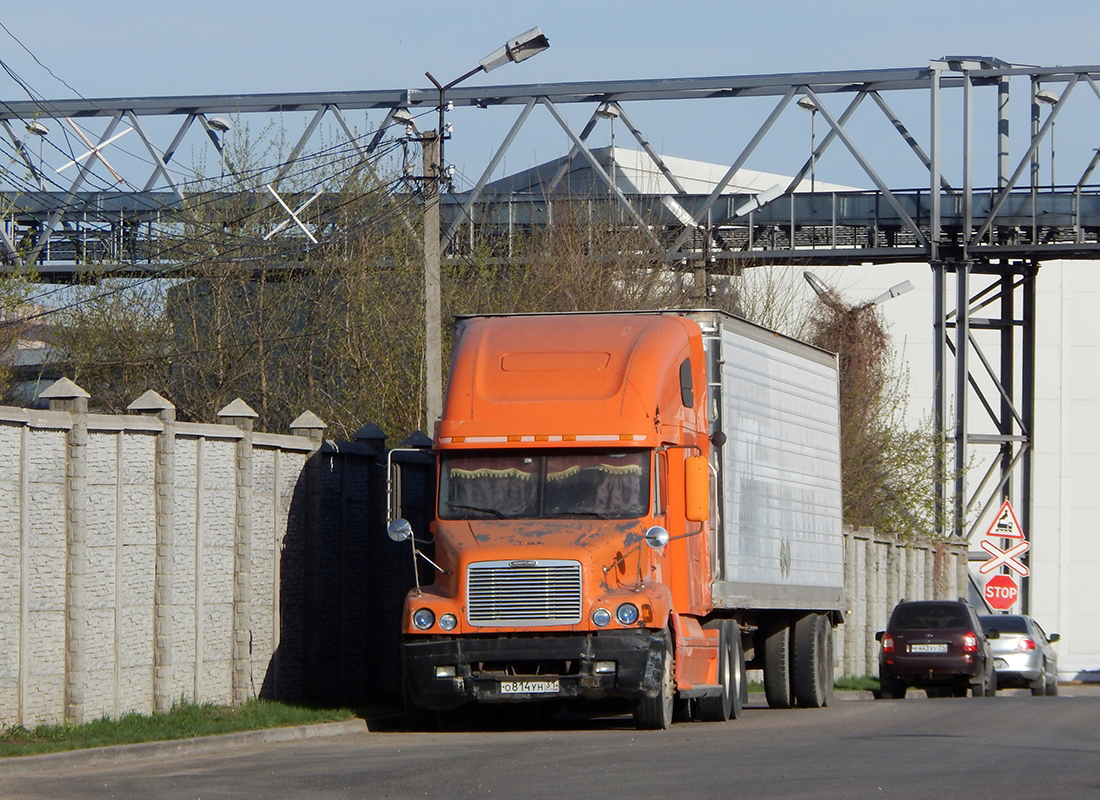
<point x="1005" y="543"/>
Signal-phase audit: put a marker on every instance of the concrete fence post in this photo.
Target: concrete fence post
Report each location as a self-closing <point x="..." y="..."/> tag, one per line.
<point x="240" y="415"/>
<point x="164" y="479"/>
<point x="64" y="395"/>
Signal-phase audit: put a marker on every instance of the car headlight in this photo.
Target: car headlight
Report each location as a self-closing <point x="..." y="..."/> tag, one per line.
<point x="448" y="622"/>
<point x="423" y="618"/>
<point x="601" y="617"/>
<point x="626" y="614"/>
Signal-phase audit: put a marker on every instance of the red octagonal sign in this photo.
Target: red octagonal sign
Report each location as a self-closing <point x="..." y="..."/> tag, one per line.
<point x="1001" y="592"/>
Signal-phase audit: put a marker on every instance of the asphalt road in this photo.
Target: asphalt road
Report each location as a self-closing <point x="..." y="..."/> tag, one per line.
<point x="1004" y="747"/>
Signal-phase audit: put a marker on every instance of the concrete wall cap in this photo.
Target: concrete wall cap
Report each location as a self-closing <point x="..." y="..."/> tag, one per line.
<point x="63" y="389"/>
<point x="150" y="402"/>
<point x="307" y="420"/>
<point x="238" y="408"/>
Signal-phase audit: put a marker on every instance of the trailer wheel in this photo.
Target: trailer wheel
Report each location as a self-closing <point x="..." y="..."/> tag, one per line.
<point x="812" y="661"/>
<point x="655" y="713"/>
<point x="739" y="687"/>
<point x="720" y="708"/>
<point x="777" y="664"/>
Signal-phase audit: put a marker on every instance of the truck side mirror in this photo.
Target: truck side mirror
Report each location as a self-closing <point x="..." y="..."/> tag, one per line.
<point x="696" y="488"/>
<point x="400" y="530"/>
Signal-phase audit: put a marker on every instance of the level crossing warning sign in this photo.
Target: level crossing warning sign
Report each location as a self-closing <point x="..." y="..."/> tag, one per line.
<point x="1005" y="525"/>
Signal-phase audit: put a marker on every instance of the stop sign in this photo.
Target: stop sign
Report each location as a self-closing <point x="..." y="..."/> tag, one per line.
<point x="1001" y="592"/>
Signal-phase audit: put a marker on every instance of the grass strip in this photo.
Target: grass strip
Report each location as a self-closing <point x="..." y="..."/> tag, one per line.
<point x="184" y="721"/>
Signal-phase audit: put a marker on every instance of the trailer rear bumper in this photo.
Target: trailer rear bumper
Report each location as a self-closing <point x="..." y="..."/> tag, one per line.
<point x="445" y="672"/>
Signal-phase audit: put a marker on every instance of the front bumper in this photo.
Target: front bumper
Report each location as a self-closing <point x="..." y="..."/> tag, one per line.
<point x="481" y="663"/>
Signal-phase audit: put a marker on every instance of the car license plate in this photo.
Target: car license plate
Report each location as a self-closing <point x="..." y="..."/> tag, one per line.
<point x="928" y="648"/>
<point x="529" y="687"/>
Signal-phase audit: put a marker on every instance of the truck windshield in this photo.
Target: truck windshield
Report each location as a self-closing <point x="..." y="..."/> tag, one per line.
<point x="601" y="484"/>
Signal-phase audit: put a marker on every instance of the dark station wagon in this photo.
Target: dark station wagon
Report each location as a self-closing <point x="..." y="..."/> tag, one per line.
<point x="938" y="646"/>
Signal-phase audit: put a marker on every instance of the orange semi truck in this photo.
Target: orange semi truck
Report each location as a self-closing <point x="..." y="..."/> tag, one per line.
<point x="635" y="505"/>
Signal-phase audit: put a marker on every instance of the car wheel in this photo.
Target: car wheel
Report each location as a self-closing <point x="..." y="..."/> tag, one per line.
<point x="890" y="689"/>
<point x="991" y="685"/>
<point x="1052" y="685"/>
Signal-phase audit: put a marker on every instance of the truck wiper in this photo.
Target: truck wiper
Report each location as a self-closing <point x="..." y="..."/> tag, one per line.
<point x="595" y="514"/>
<point x="494" y="512"/>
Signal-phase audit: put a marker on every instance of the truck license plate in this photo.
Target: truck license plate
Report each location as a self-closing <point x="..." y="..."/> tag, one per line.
<point x="928" y="648"/>
<point x="529" y="687"/>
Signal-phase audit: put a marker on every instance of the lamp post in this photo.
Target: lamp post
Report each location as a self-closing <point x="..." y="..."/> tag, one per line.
<point x="223" y="127"/>
<point x="514" y="51"/>
<point x="36" y="128"/>
<point x="1049" y="98"/>
<point x="809" y="105"/>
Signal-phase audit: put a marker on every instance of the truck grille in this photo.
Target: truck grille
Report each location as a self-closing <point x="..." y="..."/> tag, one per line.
<point x="523" y="593"/>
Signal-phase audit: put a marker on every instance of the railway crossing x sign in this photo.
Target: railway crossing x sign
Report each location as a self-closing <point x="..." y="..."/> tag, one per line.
<point x="1005" y="558"/>
<point x="1005" y="526"/>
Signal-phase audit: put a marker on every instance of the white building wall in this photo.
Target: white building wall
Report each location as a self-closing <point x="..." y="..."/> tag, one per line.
<point x="1065" y="554"/>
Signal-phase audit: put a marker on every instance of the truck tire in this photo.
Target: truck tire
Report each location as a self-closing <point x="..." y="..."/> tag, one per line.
<point x="417" y="718"/>
<point x="655" y="713"/>
<point x="777" y="664"/>
<point x="720" y="707"/>
<point x="739" y="689"/>
<point x="812" y="661"/>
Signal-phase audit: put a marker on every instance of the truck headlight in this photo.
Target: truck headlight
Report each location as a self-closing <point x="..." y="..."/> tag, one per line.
<point x="626" y="614"/>
<point x="423" y="618"/>
<point x="601" y="617"/>
<point x="448" y="622"/>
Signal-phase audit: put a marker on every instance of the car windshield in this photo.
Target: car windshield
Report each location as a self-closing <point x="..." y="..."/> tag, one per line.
<point x="602" y="484"/>
<point x="928" y="616"/>
<point x="1004" y="624"/>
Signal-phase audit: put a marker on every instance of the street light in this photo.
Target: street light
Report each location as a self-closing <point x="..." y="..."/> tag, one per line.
<point x="1049" y="98"/>
<point x="36" y="128"/>
<point x="222" y="126"/>
<point x="807" y="104"/>
<point x="515" y="50"/>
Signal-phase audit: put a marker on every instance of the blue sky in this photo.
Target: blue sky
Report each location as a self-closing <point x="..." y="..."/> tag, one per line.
<point x="132" y="48"/>
<point x="157" y="47"/>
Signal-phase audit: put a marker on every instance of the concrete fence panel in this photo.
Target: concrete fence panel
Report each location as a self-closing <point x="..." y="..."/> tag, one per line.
<point x="880" y="570"/>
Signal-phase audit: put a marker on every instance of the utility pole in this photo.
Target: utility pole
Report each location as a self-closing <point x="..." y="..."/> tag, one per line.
<point x="433" y="304"/>
<point x="514" y="51"/>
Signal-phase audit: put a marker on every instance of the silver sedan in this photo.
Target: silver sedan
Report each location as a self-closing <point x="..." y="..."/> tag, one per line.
<point x="1022" y="654"/>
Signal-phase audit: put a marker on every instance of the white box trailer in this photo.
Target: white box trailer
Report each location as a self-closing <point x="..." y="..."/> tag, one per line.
<point x="778" y="527"/>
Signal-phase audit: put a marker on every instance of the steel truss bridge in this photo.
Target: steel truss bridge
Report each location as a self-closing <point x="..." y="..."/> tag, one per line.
<point x="970" y="132"/>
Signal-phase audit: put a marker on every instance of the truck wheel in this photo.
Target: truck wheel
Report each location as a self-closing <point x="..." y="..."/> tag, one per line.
<point x="812" y="661"/>
<point x="777" y="665"/>
<point x="417" y="718"/>
<point x="739" y="687"/>
<point x="655" y="713"/>
<point x="719" y="708"/>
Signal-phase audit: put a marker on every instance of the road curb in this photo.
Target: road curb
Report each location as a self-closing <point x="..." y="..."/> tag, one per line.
<point x="99" y="756"/>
